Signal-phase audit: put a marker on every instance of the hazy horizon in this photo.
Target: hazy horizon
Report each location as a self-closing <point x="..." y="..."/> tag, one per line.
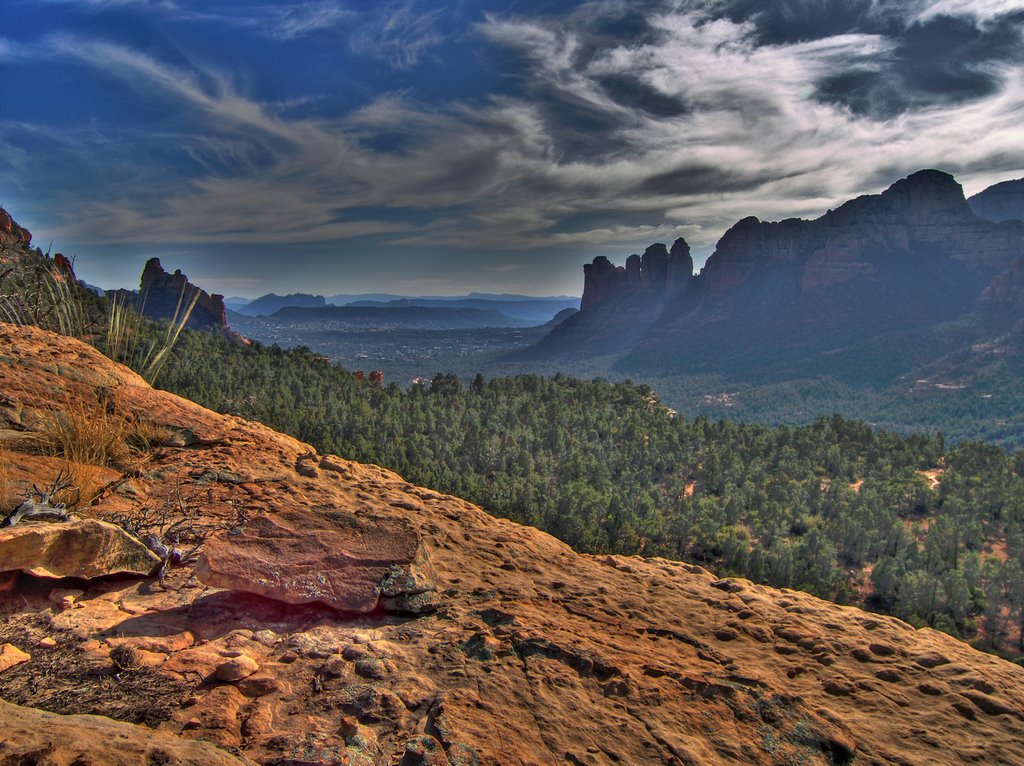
<point x="445" y="148"/>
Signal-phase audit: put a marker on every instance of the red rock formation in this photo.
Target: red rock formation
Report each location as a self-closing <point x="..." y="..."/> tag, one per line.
<point x="680" y="269"/>
<point x="11" y="233"/>
<point x="912" y="256"/>
<point x="1001" y="202"/>
<point x="654" y="268"/>
<point x="163" y="296"/>
<point x="644" y="279"/>
<point x="350" y="563"/>
<point x="601" y="280"/>
<point x="61" y="262"/>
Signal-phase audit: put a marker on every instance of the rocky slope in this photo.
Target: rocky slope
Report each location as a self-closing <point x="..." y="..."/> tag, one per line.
<point x="782" y="298"/>
<point x="477" y="642"/>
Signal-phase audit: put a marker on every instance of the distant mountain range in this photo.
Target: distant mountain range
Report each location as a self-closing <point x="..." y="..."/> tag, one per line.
<point x="506" y="310"/>
<point x="1002" y="202"/>
<point x="525" y="310"/>
<point x="268" y="304"/>
<point x="394" y="318"/>
<point x="879" y="286"/>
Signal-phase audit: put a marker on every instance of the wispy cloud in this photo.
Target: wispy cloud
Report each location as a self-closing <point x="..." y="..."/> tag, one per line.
<point x="683" y="123"/>
<point x="982" y="9"/>
<point x="293" y="22"/>
<point x="400" y="33"/>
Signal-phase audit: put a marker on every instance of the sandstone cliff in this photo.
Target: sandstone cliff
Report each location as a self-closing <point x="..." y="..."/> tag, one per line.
<point x="777" y="296"/>
<point x="526" y="654"/>
<point x="162" y="296"/>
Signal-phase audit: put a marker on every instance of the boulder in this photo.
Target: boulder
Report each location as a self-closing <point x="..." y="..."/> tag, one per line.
<point x="353" y="563"/>
<point x="236" y="669"/>
<point x="47" y="739"/>
<point x="83" y="548"/>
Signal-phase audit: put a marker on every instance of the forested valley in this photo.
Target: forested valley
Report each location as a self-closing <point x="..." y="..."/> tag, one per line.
<point x="907" y="525"/>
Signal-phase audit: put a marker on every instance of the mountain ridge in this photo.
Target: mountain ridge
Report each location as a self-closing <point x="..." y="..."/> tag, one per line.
<point x="778" y="297"/>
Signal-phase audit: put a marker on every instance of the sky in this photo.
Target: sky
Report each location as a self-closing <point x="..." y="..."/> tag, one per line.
<point x="425" y="148"/>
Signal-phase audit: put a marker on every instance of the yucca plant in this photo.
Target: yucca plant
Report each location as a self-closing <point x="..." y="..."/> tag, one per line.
<point x="132" y="339"/>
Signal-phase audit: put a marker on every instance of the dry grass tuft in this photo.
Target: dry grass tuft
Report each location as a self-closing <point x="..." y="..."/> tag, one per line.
<point x="92" y="431"/>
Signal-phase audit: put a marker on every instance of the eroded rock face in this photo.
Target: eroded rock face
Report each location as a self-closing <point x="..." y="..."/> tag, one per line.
<point x="913" y="257"/>
<point x="352" y="563"/>
<point x="1004" y="295"/>
<point x="162" y="296"/>
<point x="11" y="232"/>
<point x="45" y="739"/>
<point x="84" y="548"/>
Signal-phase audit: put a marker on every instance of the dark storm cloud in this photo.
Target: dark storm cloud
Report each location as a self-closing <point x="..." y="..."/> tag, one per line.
<point x="698" y="180"/>
<point x="938" y="61"/>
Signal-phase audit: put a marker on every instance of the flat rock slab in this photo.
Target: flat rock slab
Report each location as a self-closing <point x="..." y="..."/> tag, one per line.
<point x="47" y="739"/>
<point x="83" y="548"/>
<point x="348" y="562"/>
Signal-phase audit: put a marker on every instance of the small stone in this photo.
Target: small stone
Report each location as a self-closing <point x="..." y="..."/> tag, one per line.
<point x="355" y="652"/>
<point x="47" y="643"/>
<point x="425" y="750"/>
<point x="65" y="597"/>
<point x="370" y="667"/>
<point x="348" y="727"/>
<point x="192" y="724"/>
<point x="236" y="669"/>
<point x="931" y="660"/>
<point x="258" y="686"/>
<point x="288" y="657"/>
<point x="265" y="637"/>
<point x="333" y="667"/>
<point x="10" y="655"/>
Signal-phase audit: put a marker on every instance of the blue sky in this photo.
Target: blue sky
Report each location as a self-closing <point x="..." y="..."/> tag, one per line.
<point x="496" y="145"/>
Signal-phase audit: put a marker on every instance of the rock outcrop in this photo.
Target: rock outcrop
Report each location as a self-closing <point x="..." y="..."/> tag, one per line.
<point x="650" y="277"/>
<point x="165" y="296"/>
<point x="83" y="548"/>
<point x="534" y="655"/>
<point x="352" y="563"/>
<point x="45" y="739"/>
<point x="782" y="294"/>
<point x="11" y="233"/>
<point x="1003" y="298"/>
